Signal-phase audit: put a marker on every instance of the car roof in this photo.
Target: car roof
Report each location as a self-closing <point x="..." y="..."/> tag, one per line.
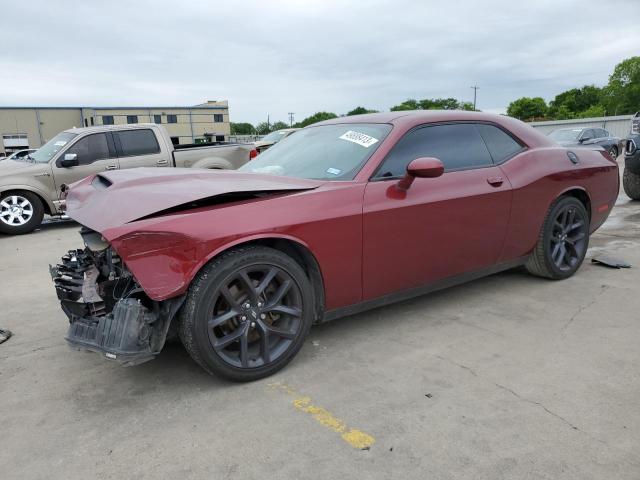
<point x="416" y="116"/>
<point x="104" y="128"/>
<point x="412" y="118"/>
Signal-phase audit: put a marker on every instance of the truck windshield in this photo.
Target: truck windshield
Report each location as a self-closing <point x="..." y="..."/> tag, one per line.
<point x="53" y="146"/>
<point x="326" y="152"/>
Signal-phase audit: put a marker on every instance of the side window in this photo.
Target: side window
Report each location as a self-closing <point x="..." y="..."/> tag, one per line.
<point x="501" y="145"/>
<point x="137" y="142"/>
<point x="601" y="133"/>
<point x="458" y="146"/>
<point x="588" y="134"/>
<point x="90" y="148"/>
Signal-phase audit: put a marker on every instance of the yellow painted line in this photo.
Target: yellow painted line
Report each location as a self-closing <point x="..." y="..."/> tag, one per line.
<point x="354" y="437"/>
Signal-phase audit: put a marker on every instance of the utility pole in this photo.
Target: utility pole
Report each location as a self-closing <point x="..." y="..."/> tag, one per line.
<point x="291" y="114"/>
<point x="268" y="124"/>
<point x="475" y="92"/>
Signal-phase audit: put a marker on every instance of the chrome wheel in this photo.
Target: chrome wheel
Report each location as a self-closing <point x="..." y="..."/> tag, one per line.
<point x="15" y="210"/>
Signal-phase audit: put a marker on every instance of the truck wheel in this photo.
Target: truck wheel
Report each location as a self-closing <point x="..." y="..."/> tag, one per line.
<point x="20" y="212"/>
<point x="247" y="313"/>
<point x="563" y="240"/>
<point x="631" y="184"/>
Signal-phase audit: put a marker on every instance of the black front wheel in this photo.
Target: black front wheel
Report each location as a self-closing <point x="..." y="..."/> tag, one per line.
<point x="563" y="240"/>
<point x="247" y="313"/>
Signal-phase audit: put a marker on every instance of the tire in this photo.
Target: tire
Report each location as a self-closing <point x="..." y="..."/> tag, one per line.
<point x="613" y="151"/>
<point x="268" y="328"/>
<point x="631" y="184"/>
<point x="20" y="212"/>
<point x="562" y="244"/>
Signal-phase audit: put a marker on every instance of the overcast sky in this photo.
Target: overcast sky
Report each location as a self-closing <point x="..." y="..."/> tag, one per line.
<point x="279" y="56"/>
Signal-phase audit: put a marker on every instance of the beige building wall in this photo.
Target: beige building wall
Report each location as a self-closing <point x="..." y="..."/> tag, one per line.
<point x="38" y="124"/>
<point x="193" y="124"/>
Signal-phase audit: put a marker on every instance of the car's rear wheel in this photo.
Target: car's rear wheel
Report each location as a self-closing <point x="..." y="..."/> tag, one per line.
<point x="613" y="151"/>
<point x="563" y="240"/>
<point x="631" y="184"/>
<point x="20" y="212"/>
<point x="247" y="313"/>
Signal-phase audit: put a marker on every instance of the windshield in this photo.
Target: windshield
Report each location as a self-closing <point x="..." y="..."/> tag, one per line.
<point x="53" y="146"/>
<point x="274" y="136"/>
<point x="327" y="152"/>
<point x="566" y="134"/>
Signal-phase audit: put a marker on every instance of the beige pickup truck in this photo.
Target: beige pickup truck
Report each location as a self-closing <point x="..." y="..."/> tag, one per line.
<point x="32" y="186"/>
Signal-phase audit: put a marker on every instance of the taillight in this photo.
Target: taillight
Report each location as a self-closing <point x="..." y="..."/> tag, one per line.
<point x="253" y="154"/>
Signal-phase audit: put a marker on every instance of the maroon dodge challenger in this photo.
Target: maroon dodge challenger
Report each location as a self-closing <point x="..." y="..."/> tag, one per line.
<point x="343" y="216"/>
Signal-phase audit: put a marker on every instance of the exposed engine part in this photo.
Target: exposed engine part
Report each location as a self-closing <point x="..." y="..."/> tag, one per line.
<point x="108" y="311"/>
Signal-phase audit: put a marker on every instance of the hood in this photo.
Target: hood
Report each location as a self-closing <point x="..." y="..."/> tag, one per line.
<point x="112" y="199"/>
<point x="11" y="167"/>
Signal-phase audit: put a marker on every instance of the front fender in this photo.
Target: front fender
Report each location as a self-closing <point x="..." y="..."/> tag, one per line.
<point x="165" y="263"/>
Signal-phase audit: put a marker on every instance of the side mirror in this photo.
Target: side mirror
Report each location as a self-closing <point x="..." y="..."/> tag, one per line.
<point x="585" y="139"/>
<point x="425" y="167"/>
<point x="70" y="160"/>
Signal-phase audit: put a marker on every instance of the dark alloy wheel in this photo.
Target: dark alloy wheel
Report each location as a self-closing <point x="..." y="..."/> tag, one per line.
<point x="568" y="240"/>
<point x="563" y="240"/>
<point x="247" y="314"/>
<point x="257" y="314"/>
<point x="613" y="151"/>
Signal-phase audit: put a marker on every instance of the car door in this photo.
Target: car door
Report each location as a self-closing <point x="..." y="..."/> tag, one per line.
<point x="139" y="148"/>
<point x="95" y="153"/>
<point x="439" y="227"/>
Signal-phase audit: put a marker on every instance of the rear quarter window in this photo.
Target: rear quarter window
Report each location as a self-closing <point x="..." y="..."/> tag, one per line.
<point x="501" y="145"/>
<point x="137" y="142"/>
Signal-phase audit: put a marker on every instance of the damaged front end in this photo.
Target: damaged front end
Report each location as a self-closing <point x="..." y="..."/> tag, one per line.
<point x="108" y="311"/>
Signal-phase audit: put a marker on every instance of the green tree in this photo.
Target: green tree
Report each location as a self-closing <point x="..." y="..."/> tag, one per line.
<point x="242" y="129"/>
<point x="439" y="104"/>
<point x="467" y="106"/>
<point x="278" y="126"/>
<point x="622" y="94"/>
<point x="409" y="104"/>
<point x="526" y="108"/>
<point x="575" y="101"/>
<point x="263" y="128"/>
<point x="592" y="112"/>
<point x="360" y="111"/>
<point x="315" y="118"/>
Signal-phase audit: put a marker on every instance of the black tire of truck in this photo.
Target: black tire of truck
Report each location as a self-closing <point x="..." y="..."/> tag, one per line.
<point x="20" y="212"/>
<point x="631" y="184"/>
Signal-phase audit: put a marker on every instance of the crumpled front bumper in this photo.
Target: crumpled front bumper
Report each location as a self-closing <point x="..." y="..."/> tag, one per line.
<point x="130" y="330"/>
<point x="123" y="335"/>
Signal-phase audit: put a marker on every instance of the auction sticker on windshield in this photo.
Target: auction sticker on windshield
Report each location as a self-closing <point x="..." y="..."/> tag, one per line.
<point x="360" y="138"/>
